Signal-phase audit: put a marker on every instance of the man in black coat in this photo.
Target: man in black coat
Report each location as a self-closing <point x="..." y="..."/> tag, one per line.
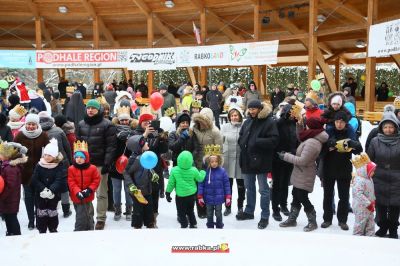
<point x="277" y="97"/>
<point x="100" y="134"/>
<point x="214" y="100"/>
<point x="258" y="139"/>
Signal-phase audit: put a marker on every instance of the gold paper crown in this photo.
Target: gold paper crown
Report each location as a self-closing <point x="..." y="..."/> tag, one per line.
<point x="320" y="76"/>
<point x="196" y="104"/>
<point x="295" y="110"/>
<point x="20" y="110"/>
<point x="80" y="146"/>
<point x="396" y="102"/>
<point x="10" y="78"/>
<point x="8" y="151"/>
<point x="212" y="150"/>
<point x="70" y="89"/>
<point x="313" y="96"/>
<point x="124" y="110"/>
<point x="360" y="160"/>
<point x="145" y="110"/>
<point x="170" y="111"/>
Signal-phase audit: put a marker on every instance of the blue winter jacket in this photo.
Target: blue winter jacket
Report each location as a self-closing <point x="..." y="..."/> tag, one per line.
<point x="215" y="186"/>
<point x="353" y="121"/>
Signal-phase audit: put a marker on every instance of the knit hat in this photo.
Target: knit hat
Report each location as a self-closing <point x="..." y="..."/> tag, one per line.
<point x="79" y="154"/>
<point x="371" y="166"/>
<point x="389" y="108"/>
<point x="348" y="89"/>
<point x="56" y="95"/>
<point x="32" y="118"/>
<point x="388" y="117"/>
<point x="255" y="104"/>
<point x="337" y="99"/>
<point x="93" y="103"/>
<point x="51" y="148"/>
<point x="312" y="97"/>
<point x="162" y="86"/>
<point x="181" y="118"/>
<point x="340" y="115"/>
<point x="145" y="117"/>
<point x="314" y="123"/>
<point x="13" y="99"/>
<point x="60" y="120"/>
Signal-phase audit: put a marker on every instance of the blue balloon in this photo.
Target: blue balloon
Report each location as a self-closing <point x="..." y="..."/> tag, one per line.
<point x="148" y="160"/>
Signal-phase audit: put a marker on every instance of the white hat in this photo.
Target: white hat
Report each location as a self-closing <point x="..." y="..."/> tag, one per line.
<point x="32" y="118"/>
<point x="51" y="148"/>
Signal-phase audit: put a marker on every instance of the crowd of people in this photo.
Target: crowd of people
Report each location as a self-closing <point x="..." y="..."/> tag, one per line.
<point x="76" y="150"/>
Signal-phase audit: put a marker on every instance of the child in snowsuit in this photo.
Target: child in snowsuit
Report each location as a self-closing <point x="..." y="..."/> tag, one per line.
<point x="363" y="197"/>
<point x="83" y="180"/>
<point x="183" y="179"/>
<point x="214" y="190"/>
<point x="12" y="156"/>
<point x="138" y="180"/>
<point x="49" y="180"/>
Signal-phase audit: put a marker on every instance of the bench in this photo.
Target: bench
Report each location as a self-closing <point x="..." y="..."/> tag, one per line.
<point x="372" y="117"/>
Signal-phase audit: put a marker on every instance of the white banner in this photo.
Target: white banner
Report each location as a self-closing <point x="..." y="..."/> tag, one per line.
<point x="253" y="53"/>
<point x="151" y="59"/>
<point x="81" y="58"/>
<point x="384" y="39"/>
<point x="212" y="55"/>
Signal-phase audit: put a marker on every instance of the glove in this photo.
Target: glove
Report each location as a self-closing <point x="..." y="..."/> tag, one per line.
<point x="331" y="143"/>
<point x="168" y="196"/>
<point x="105" y="169"/>
<point x="228" y="200"/>
<point x="371" y="206"/>
<point x="200" y="200"/>
<point x="154" y="177"/>
<point x="80" y="196"/>
<point x="352" y="143"/>
<point x="132" y="189"/>
<point x="281" y="155"/>
<point x="162" y="194"/>
<point x="86" y="192"/>
<point x="184" y="134"/>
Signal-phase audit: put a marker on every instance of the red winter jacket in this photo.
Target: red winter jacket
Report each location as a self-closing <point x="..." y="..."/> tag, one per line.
<point x="80" y="179"/>
<point x="314" y="112"/>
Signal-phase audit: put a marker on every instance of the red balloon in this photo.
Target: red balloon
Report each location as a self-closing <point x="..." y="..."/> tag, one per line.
<point x="134" y="106"/>
<point x="1" y="184"/>
<point x="121" y="163"/>
<point x="138" y="94"/>
<point x="156" y="101"/>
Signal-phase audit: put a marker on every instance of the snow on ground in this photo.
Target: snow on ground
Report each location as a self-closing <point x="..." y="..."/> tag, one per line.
<point x="281" y="246"/>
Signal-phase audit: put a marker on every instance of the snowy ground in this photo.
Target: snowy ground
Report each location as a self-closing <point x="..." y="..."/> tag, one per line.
<point x="247" y="244"/>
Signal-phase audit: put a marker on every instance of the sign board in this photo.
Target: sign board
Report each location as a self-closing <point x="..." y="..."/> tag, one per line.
<point x="151" y="59"/>
<point x="253" y="53"/>
<point x="17" y="59"/>
<point x="384" y="39"/>
<point x="212" y="55"/>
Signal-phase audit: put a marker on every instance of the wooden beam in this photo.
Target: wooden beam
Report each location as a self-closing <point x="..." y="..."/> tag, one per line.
<point x="337" y="72"/>
<point x="150" y="39"/>
<point x="371" y="61"/>
<point x="336" y="55"/>
<point x="38" y="43"/>
<point x="312" y="40"/>
<point x="106" y="32"/>
<point x="256" y="34"/>
<point x="96" y="43"/>
<point x="396" y="58"/>
<point x="347" y="11"/>
<point x="345" y="29"/>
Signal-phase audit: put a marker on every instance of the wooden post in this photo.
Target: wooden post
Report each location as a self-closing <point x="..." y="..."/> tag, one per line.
<point x="38" y="40"/>
<point x="61" y="73"/>
<point x="96" y="42"/>
<point x="312" y="40"/>
<point x="337" y="73"/>
<point x="203" y="28"/>
<point x="264" y="78"/>
<point x="257" y="30"/>
<point x="150" y="39"/>
<point x="371" y="61"/>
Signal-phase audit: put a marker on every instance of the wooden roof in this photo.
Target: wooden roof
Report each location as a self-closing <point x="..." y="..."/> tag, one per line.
<point x="123" y="24"/>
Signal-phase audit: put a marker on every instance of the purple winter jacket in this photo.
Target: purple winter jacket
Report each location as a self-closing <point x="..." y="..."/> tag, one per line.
<point x="215" y="186"/>
<point x="11" y="195"/>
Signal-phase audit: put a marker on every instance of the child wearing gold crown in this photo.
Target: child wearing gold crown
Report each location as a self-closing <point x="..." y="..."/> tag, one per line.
<point x="83" y="181"/>
<point x="49" y="180"/>
<point x="363" y="196"/>
<point x="215" y="189"/>
<point x="12" y="156"/>
<point x="17" y="118"/>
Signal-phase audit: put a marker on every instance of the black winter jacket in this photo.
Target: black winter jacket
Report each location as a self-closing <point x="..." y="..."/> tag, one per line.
<point x="100" y="135"/>
<point x="176" y="144"/>
<point x="258" y="139"/>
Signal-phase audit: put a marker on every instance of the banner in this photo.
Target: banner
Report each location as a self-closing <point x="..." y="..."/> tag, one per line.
<point x="81" y="58"/>
<point x="17" y="59"/>
<point x="253" y="53"/>
<point x="151" y="59"/>
<point x="384" y="39"/>
<point x="212" y="55"/>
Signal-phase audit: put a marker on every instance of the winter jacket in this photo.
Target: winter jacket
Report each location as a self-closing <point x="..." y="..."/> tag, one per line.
<point x="258" y="139"/>
<point x="231" y="150"/>
<point x="135" y="173"/>
<point x="55" y="132"/>
<point x="277" y="98"/>
<point x="81" y="177"/>
<point x="6" y="134"/>
<point x="69" y="130"/>
<point x="187" y="101"/>
<point x="11" y="171"/>
<point x="74" y="108"/>
<point x="329" y="112"/>
<point x="362" y="191"/>
<point x="349" y="96"/>
<point x="183" y="177"/>
<point x="353" y="121"/>
<point x="54" y="179"/>
<point x="215" y="186"/>
<point x="206" y="133"/>
<point x="313" y="112"/>
<point x="169" y="101"/>
<point x="39" y="104"/>
<point x="56" y="107"/>
<point x="177" y="144"/>
<point x="110" y="96"/>
<point x="214" y="99"/>
<point x="249" y="96"/>
<point x="287" y="131"/>
<point x="304" y="171"/>
<point x="337" y="164"/>
<point x="35" y="147"/>
<point x="100" y="135"/>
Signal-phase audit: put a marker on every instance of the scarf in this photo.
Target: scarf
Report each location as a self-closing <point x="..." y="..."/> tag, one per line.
<point x="47" y="165"/>
<point x="31" y="134"/>
<point x="15" y="125"/>
<point x="94" y="120"/>
<point x="389" y="140"/>
<point x="309" y="133"/>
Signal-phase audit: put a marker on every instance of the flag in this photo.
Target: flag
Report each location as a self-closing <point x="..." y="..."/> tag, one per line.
<point x="196" y="33"/>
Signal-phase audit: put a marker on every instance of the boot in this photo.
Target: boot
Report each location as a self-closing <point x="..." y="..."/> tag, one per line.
<point x="155" y="220"/>
<point x="393" y="230"/>
<point x="244" y="216"/>
<point x="240" y="210"/>
<point x="99" y="225"/>
<point x="128" y="212"/>
<point x="227" y="211"/>
<point x="263" y="223"/>
<point x="291" y="220"/>
<point x="277" y="215"/>
<point x="65" y="208"/>
<point x="312" y="221"/>
<point x="117" y="212"/>
<point x="285" y="210"/>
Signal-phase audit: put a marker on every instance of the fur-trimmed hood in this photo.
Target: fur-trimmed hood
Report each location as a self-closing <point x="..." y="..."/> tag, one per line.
<point x="265" y="112"/>
<point x="202" y="122"/>
<point x="68" y="127"/>
<point x="333" y="95"/>
<point x="206" y="160"/>
<point x="19" y="160"/>
<point x="133" y="124"/>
